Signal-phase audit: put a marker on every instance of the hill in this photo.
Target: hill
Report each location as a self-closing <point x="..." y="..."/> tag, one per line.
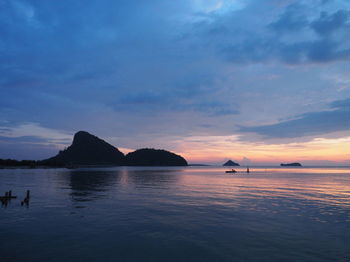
<point x="154" y="157"/>
<point x="87" y="149"/>
<point x="230" y="163"/>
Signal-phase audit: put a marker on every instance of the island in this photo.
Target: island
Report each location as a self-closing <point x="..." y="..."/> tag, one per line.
<point x="291" y="164"/>
<point x="230" y="163"/>
<point x="154" y="157"/>
<point x="88" y="150"/>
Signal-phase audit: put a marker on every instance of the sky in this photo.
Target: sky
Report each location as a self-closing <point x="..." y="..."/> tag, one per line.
<point x="255" y="81"/>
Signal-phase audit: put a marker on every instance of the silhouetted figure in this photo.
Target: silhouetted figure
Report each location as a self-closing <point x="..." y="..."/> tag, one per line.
<point x="248" y="170"/>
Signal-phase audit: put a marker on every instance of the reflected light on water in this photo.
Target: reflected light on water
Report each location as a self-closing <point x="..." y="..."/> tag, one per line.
<point x="177" y="214"/>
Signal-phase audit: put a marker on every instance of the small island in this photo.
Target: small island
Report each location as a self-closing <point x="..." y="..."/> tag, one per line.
<point x="231" y="163"/>
<point x="291" y="164"/>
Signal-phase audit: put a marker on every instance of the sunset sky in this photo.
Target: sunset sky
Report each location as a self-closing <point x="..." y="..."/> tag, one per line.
<point x="255" y="81"/>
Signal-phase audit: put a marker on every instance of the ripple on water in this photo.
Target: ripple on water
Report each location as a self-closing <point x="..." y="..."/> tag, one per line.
<point x="173" y="214"/>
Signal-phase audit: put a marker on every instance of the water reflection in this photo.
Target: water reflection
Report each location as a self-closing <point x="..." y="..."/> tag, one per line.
<point x="86" y="185"/>
<point x="147" y="177"/>
<point x="176" y="214"/>
<point x="89" y="185"/>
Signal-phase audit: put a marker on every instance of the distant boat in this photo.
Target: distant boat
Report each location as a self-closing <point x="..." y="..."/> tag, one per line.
<point x="234" y="171"/>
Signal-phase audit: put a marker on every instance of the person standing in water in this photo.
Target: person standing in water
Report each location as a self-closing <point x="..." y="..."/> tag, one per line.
<point x="248" y="170"/>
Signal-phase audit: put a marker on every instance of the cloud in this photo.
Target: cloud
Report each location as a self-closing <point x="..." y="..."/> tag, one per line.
<point x="329" y="23"/>
<point x="26" y="151"/>
<point x="292" y="19"/>
<point x="23" y="139"/>
<point x="172" y="102"/>
<point x="173" y="67"/>
<point x="31" y="141"/>
<point x="301" y="33"/>
<point x="309" y="124"/>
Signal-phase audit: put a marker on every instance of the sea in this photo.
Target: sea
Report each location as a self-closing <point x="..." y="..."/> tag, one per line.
<point x="176" y="214"/>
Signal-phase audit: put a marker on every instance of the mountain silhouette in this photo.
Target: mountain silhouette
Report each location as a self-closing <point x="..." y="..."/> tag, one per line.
<point x="154" y="157"/>
<point x="230" y="163"/>
<point x="87" y="149"/>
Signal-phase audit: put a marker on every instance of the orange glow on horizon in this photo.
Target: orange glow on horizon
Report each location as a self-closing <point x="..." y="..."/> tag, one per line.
<point x="216" y="149"/>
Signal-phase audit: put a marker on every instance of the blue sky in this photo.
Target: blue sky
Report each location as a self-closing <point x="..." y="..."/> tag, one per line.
<point x="159" y="73"/>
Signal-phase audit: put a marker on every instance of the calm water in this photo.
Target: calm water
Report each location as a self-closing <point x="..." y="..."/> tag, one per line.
<point x="176" y="214"/>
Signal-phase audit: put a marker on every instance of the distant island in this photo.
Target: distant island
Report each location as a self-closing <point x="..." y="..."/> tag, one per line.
<point x="230" y="163"/>
<point x="291" y="164"/>
<point x="89" y="150"/>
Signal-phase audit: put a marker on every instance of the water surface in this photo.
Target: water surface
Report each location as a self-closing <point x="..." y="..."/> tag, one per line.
<point x="176" y="214"/>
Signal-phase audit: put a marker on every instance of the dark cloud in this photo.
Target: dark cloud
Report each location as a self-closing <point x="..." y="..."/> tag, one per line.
<point x="27" y="147"/>
<point x="292" y="19"/>
<point x="174" y="102"/>
<point x="23" y="139"/>
<point x="4" y="130"/>
<point x="309" y="124"/>
<point x="329" y="23"/>
<point x="260" y="50"/>
<point x="27" y="151"/>
<point x="288" y="36"/>
<point x="33" y="140"/>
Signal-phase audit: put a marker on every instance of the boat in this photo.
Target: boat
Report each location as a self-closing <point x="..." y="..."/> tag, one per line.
<point x="234" y="171"/>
